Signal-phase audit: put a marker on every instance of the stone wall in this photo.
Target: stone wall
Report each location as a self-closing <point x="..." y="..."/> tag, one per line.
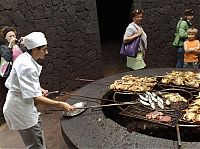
<point x="159" y="23"/>
<point x="71" y="28"/>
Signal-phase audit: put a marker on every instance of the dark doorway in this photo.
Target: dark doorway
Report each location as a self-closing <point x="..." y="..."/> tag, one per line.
<point x="113" y="18"/>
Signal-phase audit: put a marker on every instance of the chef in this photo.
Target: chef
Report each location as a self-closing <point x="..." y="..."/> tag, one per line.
<point x="24" y="90"/>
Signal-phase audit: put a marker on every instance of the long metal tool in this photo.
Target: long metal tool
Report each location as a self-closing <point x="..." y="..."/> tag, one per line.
<point x="89" y="80"/>
<point x="108" y="105"/>
<point x="53" y="92"/>
<point x="97" y="106"/>
<point x="101" y="99"/>
<point x="104" y="83"/>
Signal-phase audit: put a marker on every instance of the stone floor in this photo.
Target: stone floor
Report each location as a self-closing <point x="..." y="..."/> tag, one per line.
<point x="113" y="63"/>
<point x="51" y="125"/>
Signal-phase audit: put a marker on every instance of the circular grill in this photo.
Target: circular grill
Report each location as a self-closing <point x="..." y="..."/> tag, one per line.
<point x="133" y="117"/>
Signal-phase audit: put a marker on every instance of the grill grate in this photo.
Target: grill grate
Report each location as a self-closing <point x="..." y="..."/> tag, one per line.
<point x="160" y="84"/>
<point x="139" y="111"/>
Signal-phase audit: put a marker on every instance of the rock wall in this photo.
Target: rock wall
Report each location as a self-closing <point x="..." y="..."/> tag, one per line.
<point x="71" y="28"/>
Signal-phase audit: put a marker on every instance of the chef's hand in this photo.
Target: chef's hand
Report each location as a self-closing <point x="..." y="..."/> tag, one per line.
<point x="45" y="92"/>
<point x="67" y="107"/>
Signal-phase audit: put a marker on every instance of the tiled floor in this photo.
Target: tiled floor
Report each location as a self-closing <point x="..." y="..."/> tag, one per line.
<point x="113" y="64"/>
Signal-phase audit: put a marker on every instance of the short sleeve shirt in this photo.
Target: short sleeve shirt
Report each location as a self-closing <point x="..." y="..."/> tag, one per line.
<point x="191" y="56"/>
<point x="23" y="84"/>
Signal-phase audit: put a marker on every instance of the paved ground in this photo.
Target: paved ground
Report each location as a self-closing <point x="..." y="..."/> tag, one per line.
<point x="53" y="137"/>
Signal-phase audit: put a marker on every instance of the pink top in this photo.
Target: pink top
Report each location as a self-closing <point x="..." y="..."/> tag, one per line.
<point x="16" y="52"/>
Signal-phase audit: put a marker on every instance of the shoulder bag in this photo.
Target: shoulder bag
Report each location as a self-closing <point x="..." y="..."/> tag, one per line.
<point x="130" y="49"/>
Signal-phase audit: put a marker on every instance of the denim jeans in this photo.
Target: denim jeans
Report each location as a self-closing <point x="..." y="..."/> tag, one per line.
<point x="180" y="57"/>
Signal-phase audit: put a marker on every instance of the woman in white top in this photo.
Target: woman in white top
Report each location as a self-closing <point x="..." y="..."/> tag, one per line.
<point x="133" y="31"/>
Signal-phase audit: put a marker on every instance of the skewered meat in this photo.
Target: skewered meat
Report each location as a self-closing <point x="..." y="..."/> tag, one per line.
<point x="154" y="115"/>
<point x="164" y="118"/>
<point x="159" y="116"/>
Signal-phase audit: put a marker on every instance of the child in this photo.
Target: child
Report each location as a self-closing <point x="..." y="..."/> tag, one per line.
<point x="191" y="47"/>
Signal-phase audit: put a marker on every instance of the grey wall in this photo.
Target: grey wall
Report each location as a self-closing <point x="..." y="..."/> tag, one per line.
<point x="71" y="29"/>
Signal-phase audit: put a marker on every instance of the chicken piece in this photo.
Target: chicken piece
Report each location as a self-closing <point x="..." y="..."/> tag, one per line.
<point x="197" y="75"/>
<point x="196" y="107"/>
<point x="174" y="97"/>
<point x="197" y="97"/>
<point x="189" y="116"/>
<point x="192" y="83"/>
<point x="196" y="102"/>
<point x="150" y="84"/>
<point x="166" y="81"/>
<point x="197" y="118"/>
<point x="178" y="81"/>
<point x="112" y="86"/>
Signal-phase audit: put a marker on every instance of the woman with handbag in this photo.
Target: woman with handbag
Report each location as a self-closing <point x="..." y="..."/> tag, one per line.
<point x="134" y="31"/>
<point x="181" y="35"/>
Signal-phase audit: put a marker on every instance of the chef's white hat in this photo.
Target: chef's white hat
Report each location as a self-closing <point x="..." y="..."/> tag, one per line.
<point x="34" y="39"/>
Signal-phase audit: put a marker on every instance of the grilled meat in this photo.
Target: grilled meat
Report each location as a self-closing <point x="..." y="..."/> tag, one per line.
<point x="153" y="115"/>
<point x="164" y="118"/>
<point x="189" y="79"/>
<point x="134" y="84"/>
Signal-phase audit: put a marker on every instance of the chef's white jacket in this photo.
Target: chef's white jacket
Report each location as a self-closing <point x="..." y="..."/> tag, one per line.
<point x="23" y="84"/>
